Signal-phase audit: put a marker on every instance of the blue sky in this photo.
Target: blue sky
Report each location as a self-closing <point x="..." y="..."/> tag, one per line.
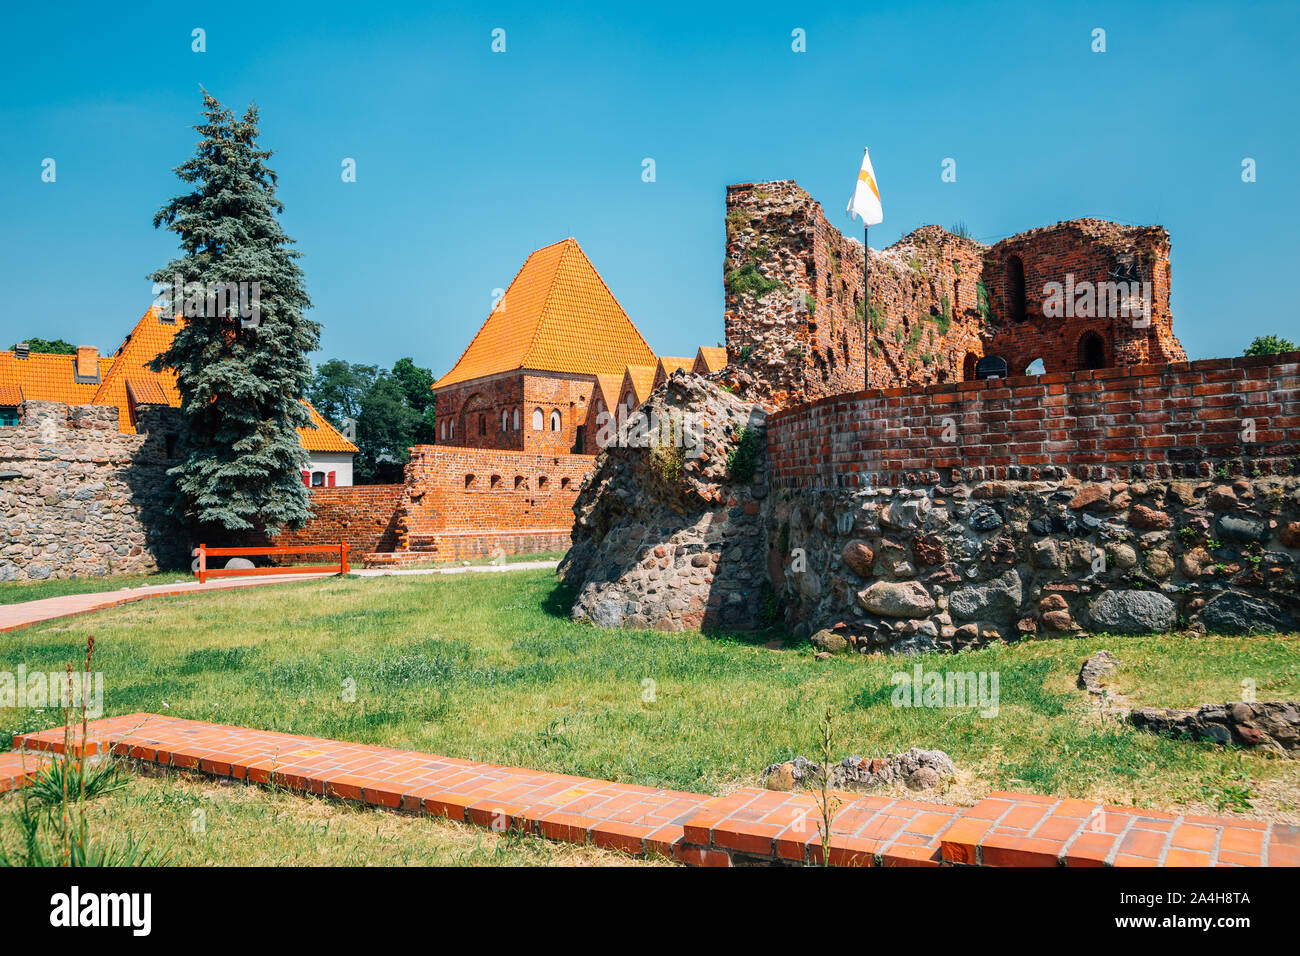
<point x="467" y="160"/>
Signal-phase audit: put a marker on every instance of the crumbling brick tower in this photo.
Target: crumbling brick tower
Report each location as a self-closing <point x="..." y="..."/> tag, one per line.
<point x="1086" y="257"/>
<point x="796" y="328"/>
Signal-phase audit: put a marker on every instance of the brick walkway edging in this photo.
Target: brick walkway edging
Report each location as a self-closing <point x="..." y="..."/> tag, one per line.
<point x="749" y="825"/>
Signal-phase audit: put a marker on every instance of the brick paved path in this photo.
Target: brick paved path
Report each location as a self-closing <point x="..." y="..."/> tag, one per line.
<point x="1003" y="829"/>
<point x="27" y="613"/>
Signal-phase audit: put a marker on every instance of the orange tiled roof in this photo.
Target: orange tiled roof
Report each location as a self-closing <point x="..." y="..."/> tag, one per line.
<point x="557" y="316"/>
<point x="46" y="377"/>
<point x="669" y="364"/>
<point x="321" y="435"/>
<point x="10" y="395"/>
<point x="150" y="336"/>
<point x="50" y="378"/>
<point x="607" y="389"/>
<point x="147" y="392"/>
<point x="639" y="380"/>
<point x="709" y="358"/>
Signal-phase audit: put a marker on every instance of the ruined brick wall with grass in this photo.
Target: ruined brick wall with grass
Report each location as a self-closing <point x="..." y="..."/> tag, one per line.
<point x="797" y="329"/>
<point x="78" y="498"/>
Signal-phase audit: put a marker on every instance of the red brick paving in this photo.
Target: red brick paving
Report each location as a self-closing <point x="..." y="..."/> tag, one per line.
<point x="749" y="825"/>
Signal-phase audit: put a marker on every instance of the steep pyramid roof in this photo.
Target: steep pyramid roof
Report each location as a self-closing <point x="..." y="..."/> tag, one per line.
<point x="557" y="316"/>
<point x="709" y="358"/>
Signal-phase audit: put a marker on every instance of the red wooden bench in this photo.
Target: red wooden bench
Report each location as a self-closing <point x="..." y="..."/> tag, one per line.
<point x="202" y="552"/>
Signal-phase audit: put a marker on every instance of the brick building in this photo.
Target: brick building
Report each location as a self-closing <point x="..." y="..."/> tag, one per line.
<point x="124" y="380"/>
<point x="527" y="378"/>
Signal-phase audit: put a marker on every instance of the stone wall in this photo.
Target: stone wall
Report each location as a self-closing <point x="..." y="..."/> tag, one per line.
<point x="78" y="498"/>
<point x="948" y="566"/>
<point x="671" y="537"/>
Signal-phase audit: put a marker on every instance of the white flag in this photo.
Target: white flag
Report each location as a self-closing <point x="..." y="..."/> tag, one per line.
<point x="866" y="197"/>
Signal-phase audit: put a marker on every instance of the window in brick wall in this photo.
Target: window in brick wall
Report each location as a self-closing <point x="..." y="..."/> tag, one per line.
<point x="495" y="481"/>
<point x="482" y="424"/>
<point x="538" y="419"/>
<point x="968" y="367"/>
<point x="1092" y="351"/>
<point x="318" y="479"/>
<point x="564" y="483"/>
<point x="505" y="419"/>
<point x="469" y="481"/>
<point x="521" y="483"/>
<point x="1016" y="287"/>
<point x="8" y="415"/>
<point x="516" y="419"/>
<point x="169" y="446"/>
<point x="542" y="483"/>
<point x="442" y="432"/>
<point x="555" y="421"/>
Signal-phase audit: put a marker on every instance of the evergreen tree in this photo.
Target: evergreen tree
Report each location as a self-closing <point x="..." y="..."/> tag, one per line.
<point x="241" y="379"/>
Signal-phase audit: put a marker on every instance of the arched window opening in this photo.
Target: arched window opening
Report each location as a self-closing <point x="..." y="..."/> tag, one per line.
<point x="516" y="419"/>
<point x="469" y="481"/>
<point x="505" y="419"/>
<point x="968" y="367"/>
<point x="555" y="421"/>
<point x="521" y="483"/>
<point x="1036" y="367"/>
<point x="494" y="481"/>
<point x="537" y="419"/>
<point x="542" y="482"/>
<point x="1016" y="287"/>
<point x="482" y="424"/>
<point x="1092" y="351"/>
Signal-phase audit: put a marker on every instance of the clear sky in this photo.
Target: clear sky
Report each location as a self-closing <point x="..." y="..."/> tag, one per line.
<point x="467" y="159"/>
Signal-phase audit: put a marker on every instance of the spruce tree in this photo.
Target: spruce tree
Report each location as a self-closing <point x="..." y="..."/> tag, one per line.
<point x="241" y="380"/>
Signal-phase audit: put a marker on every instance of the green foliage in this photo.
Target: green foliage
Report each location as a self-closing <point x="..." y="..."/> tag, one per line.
<point x="748" y="279"/>
<point x="859" y="312"/>
<point x="240" y="384"/>
<point x="739" y="217"/>
<point x="959" y="229"/>
<point x="47" y="346"/>
<point x="667" y="461"/>
<point x="944" y="320"/>
<point x="392" y="410"/>
<point x="982" y="301"/>
<point x="742" y="460"/>
<point x="810" y="303"/>
<point x="1263" y="345"/>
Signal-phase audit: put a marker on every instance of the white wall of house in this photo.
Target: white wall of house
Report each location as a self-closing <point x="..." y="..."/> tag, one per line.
<point x="322" y="463"/>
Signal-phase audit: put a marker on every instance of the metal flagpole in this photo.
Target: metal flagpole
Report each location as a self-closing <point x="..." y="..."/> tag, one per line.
<point x="866" y="308"/>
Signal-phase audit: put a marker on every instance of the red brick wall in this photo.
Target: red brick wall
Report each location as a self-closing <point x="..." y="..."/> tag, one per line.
<point x="481" y="490"/>
<point x="1152" y="420"/>
<point x="476" y="408"/>
<point x="1088" y="250"/>
<point x="365" y="516"/>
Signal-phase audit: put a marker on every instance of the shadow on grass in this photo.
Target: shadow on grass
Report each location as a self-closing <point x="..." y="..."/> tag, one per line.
<point x="559" y="602"/>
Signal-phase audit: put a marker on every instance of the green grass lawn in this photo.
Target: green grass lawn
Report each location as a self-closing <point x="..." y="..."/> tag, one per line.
<point x="15" y="592"/>
<point x="194" y="821"/>
<point x="488" y="667"/>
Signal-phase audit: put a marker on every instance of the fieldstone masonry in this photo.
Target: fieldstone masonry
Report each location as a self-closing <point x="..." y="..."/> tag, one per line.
<point x="670" y="537"/>
<point x="77" y="497"/>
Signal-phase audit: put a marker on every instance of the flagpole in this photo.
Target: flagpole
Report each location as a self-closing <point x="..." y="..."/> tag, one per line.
<point x="866" y="308"/>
